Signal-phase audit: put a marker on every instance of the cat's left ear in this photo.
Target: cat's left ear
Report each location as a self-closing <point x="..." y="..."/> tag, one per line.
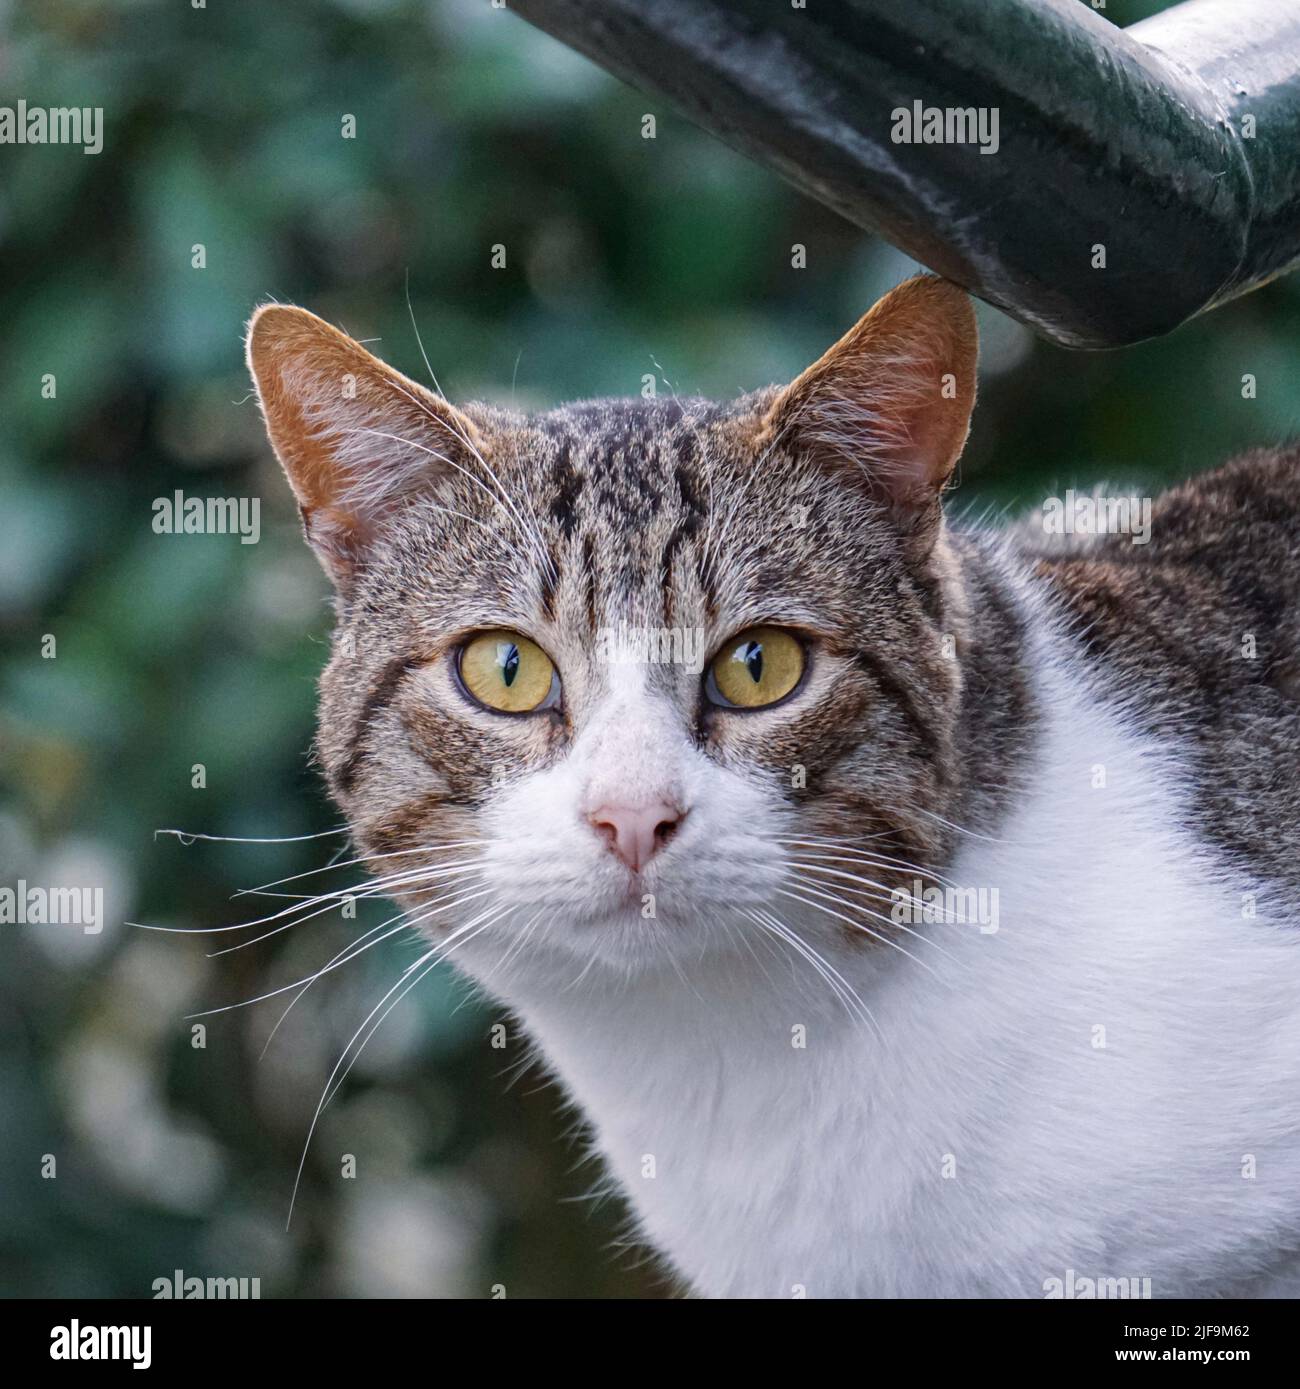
<point x="891" y="401"/>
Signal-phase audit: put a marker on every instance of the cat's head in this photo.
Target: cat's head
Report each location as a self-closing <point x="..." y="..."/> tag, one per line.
<point x="630" y="679"/>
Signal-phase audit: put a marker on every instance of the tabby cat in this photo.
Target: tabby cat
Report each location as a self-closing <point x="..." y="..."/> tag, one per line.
<point x="912" y="909"/>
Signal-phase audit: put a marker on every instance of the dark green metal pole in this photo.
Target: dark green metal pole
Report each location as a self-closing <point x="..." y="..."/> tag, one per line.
<point x="1175" y="144"/>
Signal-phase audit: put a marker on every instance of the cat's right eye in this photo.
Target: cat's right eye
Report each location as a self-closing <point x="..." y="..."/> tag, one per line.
<point x="507" y="673"/>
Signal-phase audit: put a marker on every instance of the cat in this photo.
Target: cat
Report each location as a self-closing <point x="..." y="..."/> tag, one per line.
<point x="938" y="934"/>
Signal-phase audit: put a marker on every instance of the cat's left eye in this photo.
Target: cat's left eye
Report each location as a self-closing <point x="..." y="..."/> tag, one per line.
<point x="757" y="667"/>
<point x="507" y="673"/>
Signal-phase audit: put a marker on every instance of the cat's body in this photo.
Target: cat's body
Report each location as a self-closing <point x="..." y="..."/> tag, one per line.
<point x="1108" y="1083"/>
<point x="798" y="1091"/>
<point x="989" y="1137"/>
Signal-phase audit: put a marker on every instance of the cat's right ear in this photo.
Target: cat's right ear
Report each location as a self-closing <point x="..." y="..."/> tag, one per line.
<point x="354" y="436"/>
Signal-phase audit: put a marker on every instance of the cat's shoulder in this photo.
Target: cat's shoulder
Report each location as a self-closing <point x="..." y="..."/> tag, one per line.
<point x="1196" y="632"/>
<point x="1237" y="513"/>
<point x="1208" y="579"/>
<point x="1240" y="517"/>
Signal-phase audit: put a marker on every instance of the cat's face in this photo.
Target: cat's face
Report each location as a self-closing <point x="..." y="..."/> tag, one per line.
<point x="631" y="681"/>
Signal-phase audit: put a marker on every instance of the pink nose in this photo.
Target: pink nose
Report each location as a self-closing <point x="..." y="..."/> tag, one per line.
<point x="636" y="835"/>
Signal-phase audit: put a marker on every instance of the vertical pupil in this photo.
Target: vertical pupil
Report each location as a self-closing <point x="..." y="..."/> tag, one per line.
<point x="754" y="661"/>
<point x="508" y="660"/>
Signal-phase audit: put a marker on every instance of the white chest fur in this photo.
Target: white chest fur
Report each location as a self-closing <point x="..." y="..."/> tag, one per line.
<point x="1107" y="1084"/>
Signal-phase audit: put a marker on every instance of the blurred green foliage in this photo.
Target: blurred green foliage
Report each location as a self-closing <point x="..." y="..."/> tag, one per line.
<point x="624" y="256"/>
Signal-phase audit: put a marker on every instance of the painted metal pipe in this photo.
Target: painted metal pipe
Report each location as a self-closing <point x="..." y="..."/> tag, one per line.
<point x="1174" y="144"/>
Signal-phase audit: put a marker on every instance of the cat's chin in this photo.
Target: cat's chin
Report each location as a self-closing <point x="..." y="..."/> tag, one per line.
<point x="610" y="931"/>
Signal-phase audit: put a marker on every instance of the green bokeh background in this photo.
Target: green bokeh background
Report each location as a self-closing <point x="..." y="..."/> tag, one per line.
<point x="624" y="257"/>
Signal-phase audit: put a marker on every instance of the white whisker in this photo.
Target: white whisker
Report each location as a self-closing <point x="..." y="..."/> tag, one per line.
<point x="839" y="986"/>
<point x="405" y="983"/>
<point x="188" y="837"/>
<point x="856" y="925"/>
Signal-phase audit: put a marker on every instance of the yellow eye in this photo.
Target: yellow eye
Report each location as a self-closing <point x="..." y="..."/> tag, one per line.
<point x="756" y="667"/>
<point x="508" y="673"/>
